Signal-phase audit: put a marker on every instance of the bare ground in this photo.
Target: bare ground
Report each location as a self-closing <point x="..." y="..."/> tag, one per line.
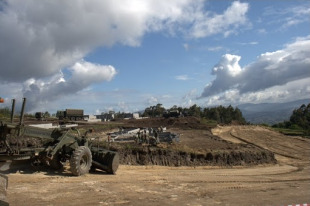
<point x="287" y="182"/>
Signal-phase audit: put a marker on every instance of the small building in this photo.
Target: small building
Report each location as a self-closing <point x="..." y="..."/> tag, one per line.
<point x="91" y="118"/>
<point x="131" y="116"/>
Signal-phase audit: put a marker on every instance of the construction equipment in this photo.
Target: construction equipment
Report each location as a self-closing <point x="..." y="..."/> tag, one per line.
<point x="54" y="147"/>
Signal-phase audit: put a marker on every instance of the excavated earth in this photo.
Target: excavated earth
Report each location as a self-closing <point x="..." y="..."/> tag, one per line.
<point x="198" y="147"/>
<point x="225" y="165"/>
<point x="165" y="157"/>
<point x="243" y="155"/>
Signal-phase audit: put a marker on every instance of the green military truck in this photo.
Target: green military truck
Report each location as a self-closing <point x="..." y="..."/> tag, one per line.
<point x="70" y="114"/>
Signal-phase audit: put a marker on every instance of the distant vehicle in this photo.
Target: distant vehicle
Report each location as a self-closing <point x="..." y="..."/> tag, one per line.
<point x="71" y="114"/>
<point x="172" y="113"/>
<point x="39" y="115"/>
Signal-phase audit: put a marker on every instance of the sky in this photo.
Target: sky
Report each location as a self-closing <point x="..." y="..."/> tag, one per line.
<point x="126" y="55"/>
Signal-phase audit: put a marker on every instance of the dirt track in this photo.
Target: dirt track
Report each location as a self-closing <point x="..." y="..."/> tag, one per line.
<point x="288" y="182"/>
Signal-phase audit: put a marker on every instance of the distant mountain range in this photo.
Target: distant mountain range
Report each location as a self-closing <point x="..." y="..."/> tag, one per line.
<point x="270" y="113"/>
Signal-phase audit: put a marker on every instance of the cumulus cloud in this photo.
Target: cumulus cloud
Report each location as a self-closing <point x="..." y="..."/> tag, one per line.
<point x="226" y="23"/>
<point x="270" y="70"/>
<point x="83" y="74"/>
<point x="41" y="39"/>
<point x="299" y="89"/>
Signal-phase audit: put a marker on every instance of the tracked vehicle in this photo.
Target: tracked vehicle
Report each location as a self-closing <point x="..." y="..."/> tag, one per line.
<point x="54" y="147"/>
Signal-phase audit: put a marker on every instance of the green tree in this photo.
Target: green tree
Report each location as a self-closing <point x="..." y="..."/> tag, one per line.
<point x="300" y="119"/>
<point x="47" y="114"/>
<point x="237" y="115"/>
<point x="301" y="116"/>
<point x="154" y="111"/>
<point x="5" y="112"/>
<point x="194" y="111"/>
<point x="159" y="110"/>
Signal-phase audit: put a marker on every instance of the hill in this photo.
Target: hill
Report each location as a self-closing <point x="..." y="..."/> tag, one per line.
<point x="270" y="113"/>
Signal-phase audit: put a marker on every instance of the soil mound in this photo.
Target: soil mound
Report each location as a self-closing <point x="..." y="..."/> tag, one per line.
<point x="143" y="155"/>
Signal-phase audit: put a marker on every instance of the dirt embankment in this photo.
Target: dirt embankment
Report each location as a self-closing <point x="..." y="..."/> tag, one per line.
<point x="197" y="147"/>
<point x="139" y="155"/>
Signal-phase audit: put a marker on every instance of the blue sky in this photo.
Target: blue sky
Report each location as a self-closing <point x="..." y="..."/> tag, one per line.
<point x="127" y="55"/>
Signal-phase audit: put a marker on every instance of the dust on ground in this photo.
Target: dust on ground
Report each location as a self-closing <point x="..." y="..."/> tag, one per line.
<point x="287" y="182"/>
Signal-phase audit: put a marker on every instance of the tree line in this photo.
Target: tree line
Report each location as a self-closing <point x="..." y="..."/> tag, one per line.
<point x="300" y="119"/>
<point x="6" y="113"/>
<point x="220" y="114"/>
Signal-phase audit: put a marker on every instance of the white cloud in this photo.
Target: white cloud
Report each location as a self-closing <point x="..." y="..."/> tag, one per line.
<point x="182" y="77"/>
<point x="123" y="107"/>
<point x="288" y="17"/>
<point x="250" y="43"/>
<point x="189" y="98"/>
<point x="83" y="74"/>
<point x="41" y="39"/>
<point x="152" y="101"/>
<point x="214" y="49"/>
<point x="167" y="100"/>
<point x="226" y="23"/>
<point x="299" y="89"/>
<point x="228" y="66"/>
<point x="262" y="31"/>
<point x="270" y="76"/>
<point x="186" y="46"/>
<point x="299" y="14"/>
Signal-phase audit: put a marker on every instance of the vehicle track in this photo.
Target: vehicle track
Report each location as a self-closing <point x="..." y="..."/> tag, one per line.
<point x="263" y="138"/>
<point x="256" y="145"/>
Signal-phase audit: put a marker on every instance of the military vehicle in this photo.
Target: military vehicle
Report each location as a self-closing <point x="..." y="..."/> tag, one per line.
<point x="172" y="113"/>
<point x="39" y="115"/>
<point x="54" y="147"/>
<point x="71" y="114"/>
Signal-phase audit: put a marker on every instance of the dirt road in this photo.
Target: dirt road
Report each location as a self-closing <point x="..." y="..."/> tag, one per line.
<point x="288" y="182"/>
